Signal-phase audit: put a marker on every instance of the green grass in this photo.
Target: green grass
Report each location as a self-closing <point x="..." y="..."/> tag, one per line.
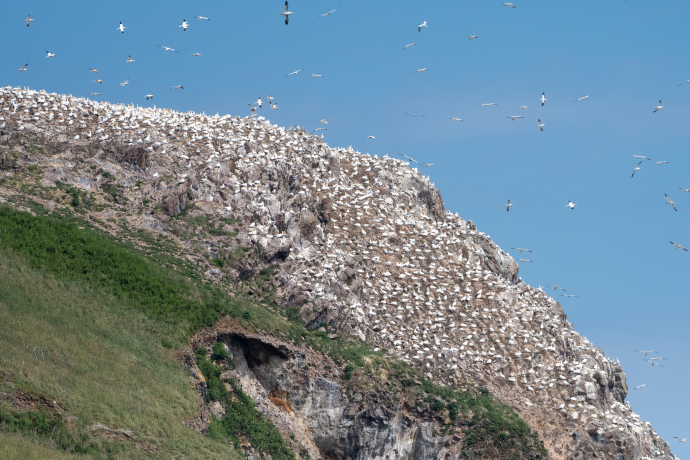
<point x="103" y="362"/>
<point x="23" y="447"/>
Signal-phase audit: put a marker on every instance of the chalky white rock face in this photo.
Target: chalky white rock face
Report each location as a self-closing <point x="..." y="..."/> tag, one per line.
<point x="365" y="246"/>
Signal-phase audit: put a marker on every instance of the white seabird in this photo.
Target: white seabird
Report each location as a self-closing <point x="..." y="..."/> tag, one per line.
<point x="129" y="59"/>
<point x="121" y="28"/>
<point x="668" y="201"/>
<point x="28" y="21"/>
<point x="543" y="98"/>
<point x="677" y="246"/>
<point x="582" y="98"/>
<point x="514" y="117"/>
<point x="658" y="107"/>
<point x="286" y="13"/>
<point x="149" y="96"/>
<point x="540" y="125"/>
<point x="124" y="83"/>
<point x="407" y="46"/>
<point x="424" y="24"/>
<point x="507" y="206"/>
<point x="473" y="36"/>
<point x="639" y="157"/>
<point x="23" y="68"/>
<point x="184" y="25"/>
<point x="167" y="48"/>
<point x="49" y="54"/>
<point x="570" y="205"/>
<point x="647" y="351"/>
<point x="637" y="168"/>
<point x="295" y="72"/>
<point x="329" y="13"/>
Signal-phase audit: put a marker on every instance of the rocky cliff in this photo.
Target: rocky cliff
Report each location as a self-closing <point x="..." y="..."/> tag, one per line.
<point x="354" y="245"/>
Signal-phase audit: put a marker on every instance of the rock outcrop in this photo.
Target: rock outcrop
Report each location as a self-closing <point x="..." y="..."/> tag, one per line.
<point x="362" y="245"/>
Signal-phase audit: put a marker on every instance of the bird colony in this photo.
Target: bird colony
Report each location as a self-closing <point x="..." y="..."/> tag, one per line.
<point x="364" y="245"/>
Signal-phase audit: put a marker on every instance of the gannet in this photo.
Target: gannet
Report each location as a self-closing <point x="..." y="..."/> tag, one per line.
<point x="525" y="260"/>
<point x="94" y="94"/>
<point x="661" y="162"/>
<point x="509" y="4"/>
<point x="97" y="81"/>
<point x="640" y="386"/>
<point x="415" y="114"/>
<point x="522" y="107"/>
<point x="28" y="21"/>
<point x="407" y="46"/>
<point x="637" y="168"/>
<point x="677" y="246"/>
<point x="569" y="295"/>
<point x="124" y="83"/>
<point x="296" y="71"/>
<point x="456" y="119"/>
<point x="286" y="13"/>
<point x="514" y="117"/>
<point x="92" y="70"/>
<point x="329" y="13"/>
<point x="421" y="70"/>
<point x="473" y="36"/>
<point x="540" y="125"/>
<point x="371" y="137"/>
<point x="184" y="25"/>
<point x="645" y="351"/>
<point x="167" y="49"/>
<point x="508" y="205"/>
<point x="273" y="106"/>
<point x="49" y="54"/>
<point x="555" y="286"/>
<point x="176" y="87"/>
<point x="196" y="54"/>
<point x="639" y="157"/>
<point x="686" y="81"/>
<point x="202" y="17"/>
<point x="684" y="190"/>
<point x="129" y="59"/>
<point x="543" y="98"/>
<point x="521" y="249"/>
<point x="658" y="107"/>
<point x="679" y="439"/>
<point x="424" y="24"/>
<point x="325" y="121"/>
<point x="668" y="201"/>
<point x="570" y="205"/>
<point x="121" y="28"/>
<point x="317" y="75"/>
<point x="269" y="98"/>
<point x="582" y="99"/>
<point x="24" y="69"/>
<point x="149" y="96"/>
<point x="490" y="103"/>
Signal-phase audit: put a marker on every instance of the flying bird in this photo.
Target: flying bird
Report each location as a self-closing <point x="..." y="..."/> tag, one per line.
<point x="424" y="24"/>
<point x="421" y="70"/>
<point x="684" y="190"/>
<point x="415" y="114"/>
<point x="473" y="36"/>
<point x="658" y="107"/>
<point x="319" y="129"/>
<point x="514" y="117"/>
<point x="555" y="286"/>
<point x="177" y="87"/>
<point x="668" y="201"/>
<point x="269" y="98"/>
<point x="570" y="205"/>
<point x="686" y="81"/>
<point x="582" y="99"/>
<point x="324" y="121"/>
<point x="521" y="249"/>
<point x="316" y="75"/>
<point x="97" y="81"/>
<point x="196" y="54"/>
<point x="129" y="59"/>
<point x="124" y="83"/>
<point x="286" y="13"/>
<point x="407" y="46"/>
<point x="540" y="125"/>
<point x="24" y="69"/>
<point x="654" y="362"/>
<point x="522" y="107"/>
<point x="525" y="260"/>
<point x="660" y="162"/>
<point x="509" y="4"/>
<point x="637" y="168"/>
<point x="639" y="157"/>
<point x="329" y="13"/>
<point x="426" y="165"/>
<point x="149" y="96"/>
<point x="49" y="54"/>
<point x="456" y="119"/>
<point x="508" y="205"/>
<point x="258" y="102"/>
<point x="488" y="104"/>
<point x="371" y="137"/>
<point x="569" y="296"/>
<point x="677" y="246"/>
<point x="646" y="351"/>
<point x="295" y="72"/>
<point x="167" y="49"/>
<point x="202" y="18"/>
<point x="640" y="386"/>
<point x="94" y="94"/>
<point x="92" y="70"/>
<point x="679" y="439"/>
<point x="184" y="25"/>
<point x="543" y="98"/>
<point x="273" y="106"/>
<point x="121" y="28"/>
<point x="28" y="21"/>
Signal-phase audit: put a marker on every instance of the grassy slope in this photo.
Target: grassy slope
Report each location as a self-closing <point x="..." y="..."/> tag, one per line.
<point x="21" y="448"/>
<point x="104" y="362"/>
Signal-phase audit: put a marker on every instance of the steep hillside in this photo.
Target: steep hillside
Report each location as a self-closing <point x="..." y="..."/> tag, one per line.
<point x="339" y="310"/>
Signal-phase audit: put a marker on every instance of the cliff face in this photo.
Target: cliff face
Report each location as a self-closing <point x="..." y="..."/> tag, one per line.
<point x="363" y="246"/>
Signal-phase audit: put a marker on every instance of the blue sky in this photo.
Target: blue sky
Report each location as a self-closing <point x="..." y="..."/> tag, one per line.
<point x="613" y="250"/>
